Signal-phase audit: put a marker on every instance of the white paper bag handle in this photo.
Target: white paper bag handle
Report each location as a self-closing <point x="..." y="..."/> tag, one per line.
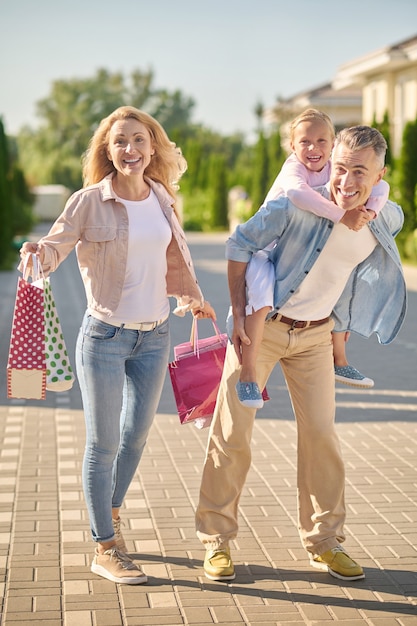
<point x="35" y="272"/>
<point x="194" y="335"/>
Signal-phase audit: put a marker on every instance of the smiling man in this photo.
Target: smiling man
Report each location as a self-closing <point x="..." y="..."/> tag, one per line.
<point x="327" y="276"/>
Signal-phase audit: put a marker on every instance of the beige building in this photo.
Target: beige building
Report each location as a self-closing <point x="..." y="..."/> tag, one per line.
<point x="388" y="80"/>
<point x="363" y="89"/>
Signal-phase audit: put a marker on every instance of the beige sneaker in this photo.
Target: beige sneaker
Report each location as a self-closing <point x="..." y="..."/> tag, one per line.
<point x="117" y="567"/>
<point x="120" y="542"/>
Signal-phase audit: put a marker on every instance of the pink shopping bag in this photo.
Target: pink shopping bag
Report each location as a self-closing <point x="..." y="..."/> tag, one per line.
<point x="195" y="376"/>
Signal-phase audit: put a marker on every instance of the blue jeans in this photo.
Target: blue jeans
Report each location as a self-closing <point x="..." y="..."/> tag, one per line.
<point x="121" y="373"/>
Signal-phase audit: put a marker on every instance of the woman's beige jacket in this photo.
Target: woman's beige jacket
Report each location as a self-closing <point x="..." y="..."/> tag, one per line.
<point x="97" y="225"/>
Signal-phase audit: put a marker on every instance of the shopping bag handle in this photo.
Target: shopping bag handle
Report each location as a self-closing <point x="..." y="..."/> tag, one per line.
<point x="194" y="335"/>
<point x="35" y="272"/>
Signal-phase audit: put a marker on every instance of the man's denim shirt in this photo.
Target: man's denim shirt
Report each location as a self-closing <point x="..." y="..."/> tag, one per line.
<point x="375" y="297"/>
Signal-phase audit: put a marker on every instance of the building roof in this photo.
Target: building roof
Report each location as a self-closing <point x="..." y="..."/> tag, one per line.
<point x="394" y="57"/>
<point x="325" y="94"/>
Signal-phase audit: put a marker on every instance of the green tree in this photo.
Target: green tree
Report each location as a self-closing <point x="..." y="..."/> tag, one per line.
<point x="22" y="200"/>
<point x="173" y="111"/>
<point x="276" y="156"/>
<point x="6" y="233"/>
<point x="384" y="129"/>
<point x="218" y="192"/>
<point x="16" y="201"/>
<point x="193" y="152"/>
<point x="241" y="173"/>
<point x="201" y="148"/>
<point x="260" y="177"/>
<point x="408" y="176"/>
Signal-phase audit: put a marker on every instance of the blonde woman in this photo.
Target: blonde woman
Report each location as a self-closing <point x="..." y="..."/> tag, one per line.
<point x="132" y="256"/>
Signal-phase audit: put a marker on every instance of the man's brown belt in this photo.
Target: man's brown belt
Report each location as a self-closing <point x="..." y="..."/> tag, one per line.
<point x="298" y="323"/>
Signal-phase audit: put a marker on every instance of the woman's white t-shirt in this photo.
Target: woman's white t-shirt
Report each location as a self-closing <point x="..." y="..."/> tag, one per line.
<point x="144" y="297"/>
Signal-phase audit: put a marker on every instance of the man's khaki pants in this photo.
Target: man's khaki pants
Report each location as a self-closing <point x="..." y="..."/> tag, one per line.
<point x="306" y="358"/>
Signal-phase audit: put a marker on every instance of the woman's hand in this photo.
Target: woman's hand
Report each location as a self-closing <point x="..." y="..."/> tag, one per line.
<point x="28" y="247"/>
<point x="31" y="247"/>
<point x="205" y="311"/>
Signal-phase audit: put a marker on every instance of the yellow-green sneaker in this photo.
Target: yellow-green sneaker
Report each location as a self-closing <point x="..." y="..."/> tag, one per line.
<point x="218" y="565"/>
<point x="338" y="564"/>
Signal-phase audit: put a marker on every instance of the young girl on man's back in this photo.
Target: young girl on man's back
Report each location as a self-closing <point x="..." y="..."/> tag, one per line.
<point x="311" y="140"/>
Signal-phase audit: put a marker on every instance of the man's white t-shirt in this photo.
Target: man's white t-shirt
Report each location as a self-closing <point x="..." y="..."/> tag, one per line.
<point x="320" y="290"/>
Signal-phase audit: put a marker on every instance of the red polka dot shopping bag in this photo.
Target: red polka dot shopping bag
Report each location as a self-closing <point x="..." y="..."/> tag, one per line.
<point x="38" y="357"/>
<point x="26" y="367"/>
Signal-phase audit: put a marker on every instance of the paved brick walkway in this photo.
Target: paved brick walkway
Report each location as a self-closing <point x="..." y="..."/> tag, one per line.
<point x="45" y="546"/>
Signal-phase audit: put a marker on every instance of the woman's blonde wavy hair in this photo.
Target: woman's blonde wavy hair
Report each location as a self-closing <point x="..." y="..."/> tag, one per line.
<point x="167" y="164"/>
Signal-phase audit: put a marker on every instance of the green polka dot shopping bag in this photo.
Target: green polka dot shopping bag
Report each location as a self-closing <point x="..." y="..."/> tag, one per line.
<point x="59" y="375"/>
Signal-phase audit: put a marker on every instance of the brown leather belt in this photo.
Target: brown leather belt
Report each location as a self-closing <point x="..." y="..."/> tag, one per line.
<point x="298" y="323"/>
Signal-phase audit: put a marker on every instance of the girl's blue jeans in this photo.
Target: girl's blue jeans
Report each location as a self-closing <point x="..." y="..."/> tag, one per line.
<point x="121" y="373"/>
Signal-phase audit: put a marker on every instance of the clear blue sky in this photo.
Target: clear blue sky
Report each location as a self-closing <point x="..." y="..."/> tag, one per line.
<point x="227" y="55"/>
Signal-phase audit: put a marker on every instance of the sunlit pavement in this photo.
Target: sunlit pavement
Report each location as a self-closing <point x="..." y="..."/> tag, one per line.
<point x="46" y="550"/>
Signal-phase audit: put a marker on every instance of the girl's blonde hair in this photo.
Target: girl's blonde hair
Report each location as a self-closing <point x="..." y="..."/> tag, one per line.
<point x="311" y="115"/>
<point x="167" y="164"/>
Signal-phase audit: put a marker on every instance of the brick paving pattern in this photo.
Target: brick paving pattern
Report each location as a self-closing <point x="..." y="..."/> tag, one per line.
<point x="46" y="547"/>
